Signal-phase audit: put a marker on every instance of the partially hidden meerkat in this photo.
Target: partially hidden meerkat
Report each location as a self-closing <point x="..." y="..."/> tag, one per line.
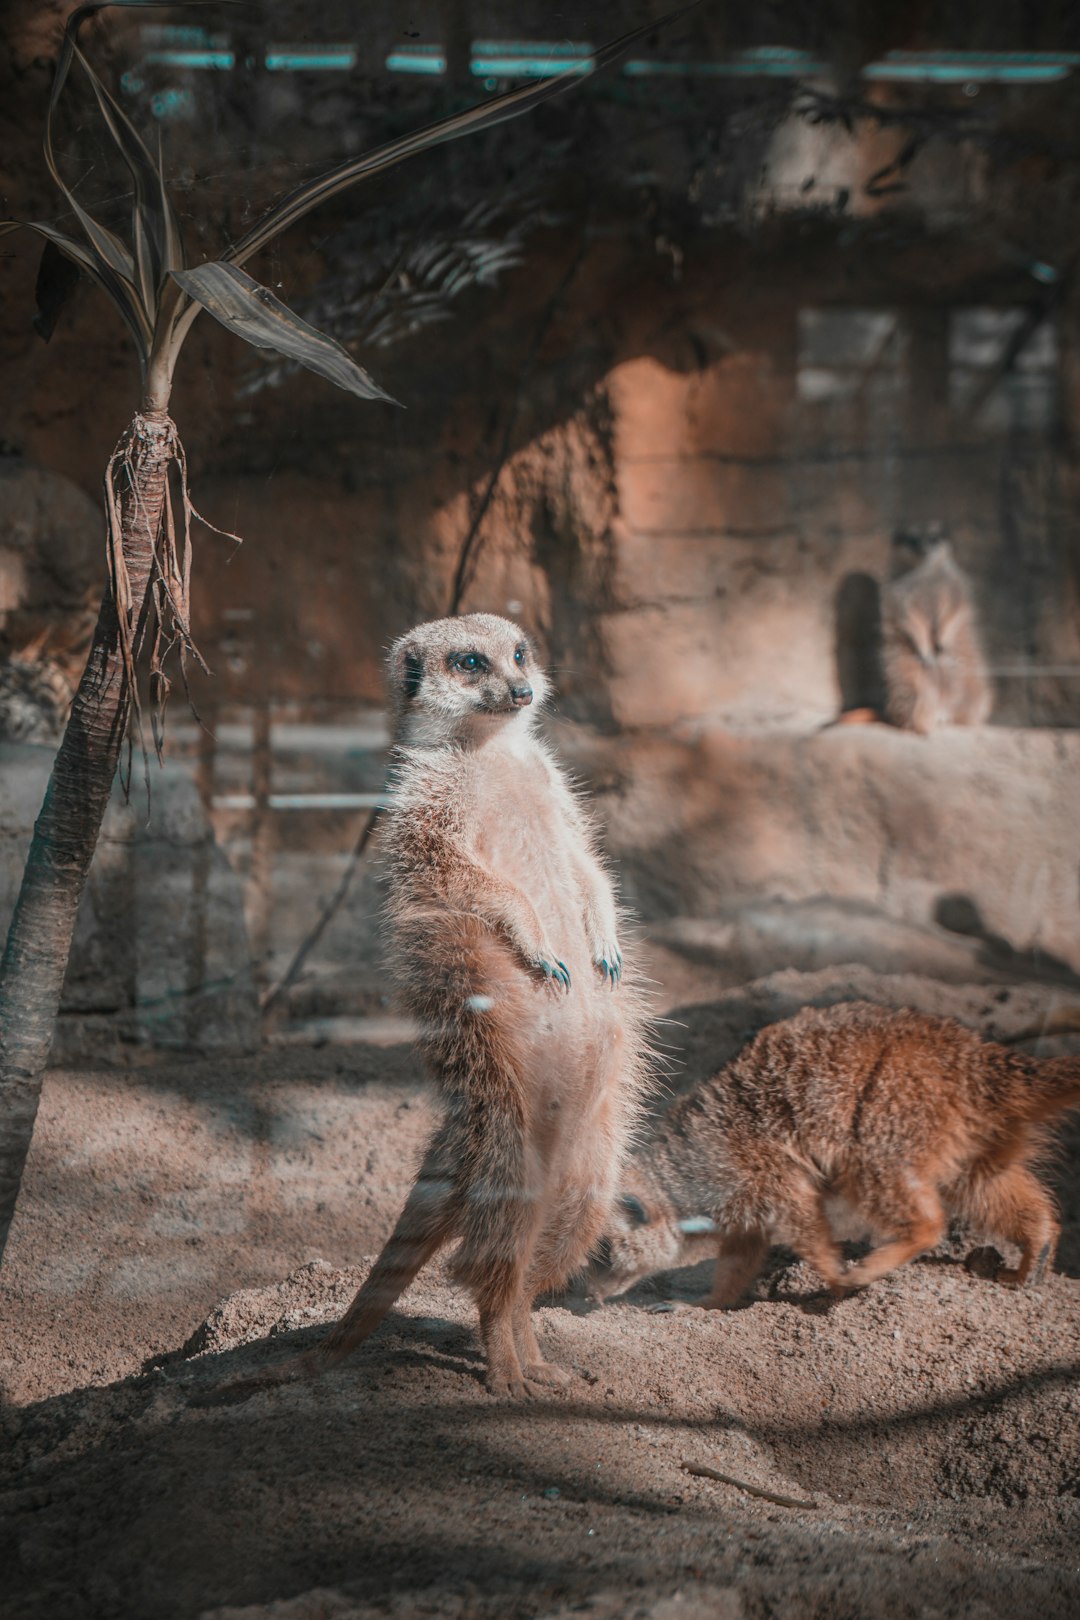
<point x="896" y="1119"/>
<point x="933" y="665"/>
<point x="504" y="940"/>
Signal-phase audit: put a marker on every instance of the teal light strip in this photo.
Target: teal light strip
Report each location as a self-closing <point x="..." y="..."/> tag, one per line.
<point x="423" y="59"/>
<point x="966" y="72"/>
<point x="528" y="67"/>
<point x="327" y="59"/>
<point x="193" y="59"/>
<point x="758" y="68"/>
<point x="927" y="67"/>
<point x="987" y="58"/>
<point x="979" y="67"/>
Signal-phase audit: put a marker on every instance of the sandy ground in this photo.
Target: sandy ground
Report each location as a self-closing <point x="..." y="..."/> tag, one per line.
<point x="924" y="1434"/>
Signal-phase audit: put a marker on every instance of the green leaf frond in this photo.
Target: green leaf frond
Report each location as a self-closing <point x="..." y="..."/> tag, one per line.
<point x="254" y="313"/>
<point x="155" y="228"/>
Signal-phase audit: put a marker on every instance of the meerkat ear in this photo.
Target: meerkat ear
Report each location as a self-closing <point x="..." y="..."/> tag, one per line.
<point x="406" y="670"/>
<point x="634" y="1209"/>
<point x="413" y="673"/>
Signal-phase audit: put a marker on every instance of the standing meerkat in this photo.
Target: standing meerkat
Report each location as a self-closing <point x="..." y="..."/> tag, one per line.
<point x="899" y="1118"/>
<point x="504" y="942"/>
<point x="934" y="669"/>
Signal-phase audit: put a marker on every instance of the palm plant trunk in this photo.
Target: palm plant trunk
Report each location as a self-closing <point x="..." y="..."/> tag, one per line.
<point x="65" y="835"/>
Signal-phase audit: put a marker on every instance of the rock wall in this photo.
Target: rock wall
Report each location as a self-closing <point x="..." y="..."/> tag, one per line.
<point x="690" y="538"/>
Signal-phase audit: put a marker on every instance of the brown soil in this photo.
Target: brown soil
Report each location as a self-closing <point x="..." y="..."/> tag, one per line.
<point x="931" y="1421"/>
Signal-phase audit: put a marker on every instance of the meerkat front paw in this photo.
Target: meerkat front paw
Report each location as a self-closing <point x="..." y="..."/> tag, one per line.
<point x="539" y="958"/>
<point x="553" y="971"/>
<point x="607" y="959"/>
<point x="601" y="925"/>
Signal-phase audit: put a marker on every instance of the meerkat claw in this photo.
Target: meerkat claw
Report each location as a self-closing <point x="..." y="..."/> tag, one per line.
<point x="554" y="972"/>
<point x="610" y="968"/>
<point x="548" y="1375"/>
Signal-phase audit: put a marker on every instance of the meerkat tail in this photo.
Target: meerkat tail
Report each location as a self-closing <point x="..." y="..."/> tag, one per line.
<point x="1054" y="1086"/>
<point x="424" y="1225"/>
<point x="1063" y="1020"/>
<point x="426" y="1222"/>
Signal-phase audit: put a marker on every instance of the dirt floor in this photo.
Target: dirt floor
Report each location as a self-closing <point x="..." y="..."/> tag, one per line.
<point x="919" y="1442"/>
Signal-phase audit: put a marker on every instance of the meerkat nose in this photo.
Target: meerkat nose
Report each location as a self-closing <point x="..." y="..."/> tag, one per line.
<point x="521" y="696"/>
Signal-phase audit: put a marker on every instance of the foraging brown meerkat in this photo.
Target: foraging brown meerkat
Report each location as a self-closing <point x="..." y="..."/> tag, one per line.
<point x="504" y="942"/>
<point x="894" y="1117"/>
<point x="934" y="669"/>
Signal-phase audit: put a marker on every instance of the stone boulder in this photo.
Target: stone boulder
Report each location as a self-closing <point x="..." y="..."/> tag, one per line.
<point x="768" y="936"/>
<point x="972" y="830"/>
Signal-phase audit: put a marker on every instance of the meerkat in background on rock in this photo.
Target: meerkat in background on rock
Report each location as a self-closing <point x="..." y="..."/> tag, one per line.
<point x="504" y="941"/>
<point x="896" y="1118"/>
<point x="934" y="669"/>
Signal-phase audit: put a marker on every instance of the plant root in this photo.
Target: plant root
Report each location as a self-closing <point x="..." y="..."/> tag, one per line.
<point x="150" y="441"/>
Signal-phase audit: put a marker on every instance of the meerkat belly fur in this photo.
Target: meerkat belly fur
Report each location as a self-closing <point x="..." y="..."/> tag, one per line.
<point x="504" y="939"/>
<point x="900" y="1119"/>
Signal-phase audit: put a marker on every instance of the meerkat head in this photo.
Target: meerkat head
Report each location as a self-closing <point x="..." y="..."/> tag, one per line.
<point x="645" y="1235"/>
<point x="457" y="680"/>
<point x="919" y="545"/>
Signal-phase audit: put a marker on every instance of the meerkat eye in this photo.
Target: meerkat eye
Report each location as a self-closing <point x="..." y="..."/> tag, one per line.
<point x="468" y="661"/>
<point x="634" y="1209"/>
<point x="519" y="656"/>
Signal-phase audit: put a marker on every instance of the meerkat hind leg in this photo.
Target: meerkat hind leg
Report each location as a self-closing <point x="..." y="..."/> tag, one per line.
<point x="805" y="1226"/>
<point x="562" y="1247"/>
<point x="914" y="1216"/>
<point x="501" y="1303"/>
<point x="534" y="1364"/>
<point x="1015" y="1205"/>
